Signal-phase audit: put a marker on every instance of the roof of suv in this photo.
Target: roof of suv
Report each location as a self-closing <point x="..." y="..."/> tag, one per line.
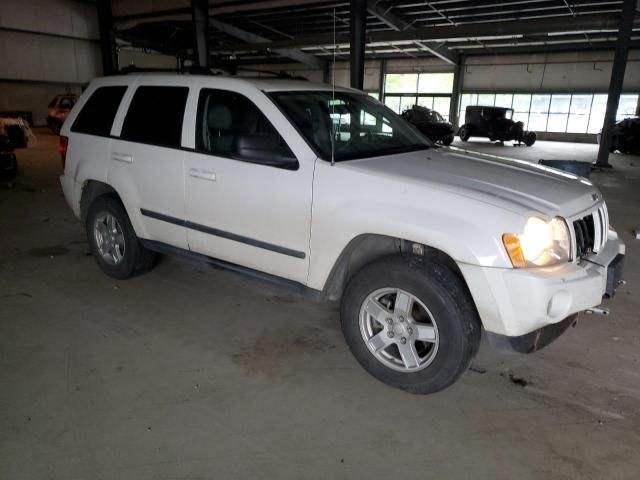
<point x="265" y="84"/>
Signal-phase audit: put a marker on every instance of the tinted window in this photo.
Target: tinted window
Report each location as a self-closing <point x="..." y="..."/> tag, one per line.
<point x="155" y="116"/>
<point x="230" y="125"/>
<point x="99" y="111"/>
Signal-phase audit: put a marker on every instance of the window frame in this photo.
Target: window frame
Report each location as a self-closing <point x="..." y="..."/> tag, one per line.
<point x="197" y="125"/>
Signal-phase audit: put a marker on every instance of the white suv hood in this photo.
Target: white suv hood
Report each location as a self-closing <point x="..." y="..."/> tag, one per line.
<point x="514" y="185"/>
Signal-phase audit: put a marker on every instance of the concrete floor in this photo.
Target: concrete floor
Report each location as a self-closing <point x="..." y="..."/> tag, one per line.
<point x="192" y="373"/>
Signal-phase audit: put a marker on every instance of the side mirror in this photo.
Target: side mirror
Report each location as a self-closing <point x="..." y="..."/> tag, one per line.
<point x="264" y="149"/>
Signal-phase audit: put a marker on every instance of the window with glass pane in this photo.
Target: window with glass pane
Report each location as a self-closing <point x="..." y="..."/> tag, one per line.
<point x="435" y="83"/>
<point x="627" y="106"/>
<point x="539" y="112"/>
<point x="393" y="103"/>
<point x="426" y="102"/>
<point x="557" y="122"/>
<point x="407" y="102"/>
<point x="401" y="82"/>
<point x="540" y="103"/>
<point x="441" y="105"/>
<point x="375" y="95"/>
<point x="579" y="113"/>
<point x="486" y="99"/>
<point x="560" y="103"/>
<point x="465" y="100"/>
<point x="598" y="109"/>
<point x="504" y="100"/>
<point x="521" y="102"/>
<point x="537" y="122"/>
<point x="520" y="105"/>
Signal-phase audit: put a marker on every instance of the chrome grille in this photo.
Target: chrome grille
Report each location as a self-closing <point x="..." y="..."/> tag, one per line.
<point x="590" y="232"/>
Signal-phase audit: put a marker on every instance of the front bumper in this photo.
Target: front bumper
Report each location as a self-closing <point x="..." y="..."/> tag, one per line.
<point x="517" y="302"/>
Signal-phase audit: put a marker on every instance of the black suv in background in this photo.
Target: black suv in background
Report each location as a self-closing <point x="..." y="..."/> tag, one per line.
<point x="431" y="123"/>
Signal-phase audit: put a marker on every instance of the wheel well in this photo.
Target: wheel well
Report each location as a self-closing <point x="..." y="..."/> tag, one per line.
<point x="367" y="248"/>
<point x="92" y="190"/>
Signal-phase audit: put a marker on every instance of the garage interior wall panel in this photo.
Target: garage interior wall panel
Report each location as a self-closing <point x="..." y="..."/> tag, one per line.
<point x="560" y="72"/>
<point x="143" y="59"/>
<point x="132" y="7"/>
<point x="48" y="47"/>
<point x="33" y="97"/>
<point x="59" y="17"/>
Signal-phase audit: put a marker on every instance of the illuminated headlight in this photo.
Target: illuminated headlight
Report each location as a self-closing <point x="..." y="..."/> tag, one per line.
<point x="542" y="243"/>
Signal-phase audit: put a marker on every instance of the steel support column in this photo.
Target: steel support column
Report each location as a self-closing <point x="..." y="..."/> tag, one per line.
<point x="358" y="33"/>
<point x="381" y="79"/>
<point x="200" y="16"/>
<point x="617" y="79"/>
<point x="458" y="82"/>
<point x="107" y="38"/>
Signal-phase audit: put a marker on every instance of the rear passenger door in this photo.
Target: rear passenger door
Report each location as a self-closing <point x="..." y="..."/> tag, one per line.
<point x="146" y="160"/>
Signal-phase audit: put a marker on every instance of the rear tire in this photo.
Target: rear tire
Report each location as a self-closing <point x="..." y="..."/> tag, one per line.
<point x="440" y="327"/>
<point x="463" y="133"/>
<point x="113" y="242"/>
<point x="530" y="138"/>
<point x="446" y="141"/>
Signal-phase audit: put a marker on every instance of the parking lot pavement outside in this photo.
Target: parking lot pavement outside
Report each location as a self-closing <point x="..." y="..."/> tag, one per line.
<point x="189" y="372"/>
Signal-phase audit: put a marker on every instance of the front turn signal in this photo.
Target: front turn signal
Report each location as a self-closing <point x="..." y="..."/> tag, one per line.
<point x="514" y="250"/>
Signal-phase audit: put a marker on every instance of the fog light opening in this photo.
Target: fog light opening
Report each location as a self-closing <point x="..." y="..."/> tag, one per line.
<point x="559" y="304"/>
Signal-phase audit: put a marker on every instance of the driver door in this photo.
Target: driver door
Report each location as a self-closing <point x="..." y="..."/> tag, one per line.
<point x="248" y="199"/>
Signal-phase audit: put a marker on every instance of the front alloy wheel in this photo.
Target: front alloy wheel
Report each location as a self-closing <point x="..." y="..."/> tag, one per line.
<point x="399" y="330"/>
<point x="410" y="322"/>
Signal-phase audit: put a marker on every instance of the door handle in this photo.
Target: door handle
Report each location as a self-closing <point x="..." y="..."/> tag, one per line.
<point x="203" y="174"/>
<point x="122" y="157"/>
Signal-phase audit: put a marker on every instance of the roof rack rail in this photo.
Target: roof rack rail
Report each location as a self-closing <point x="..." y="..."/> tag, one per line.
<point x="194" y="70"/>
<point x="197" y="70"/>
<point x="279" y="74"/>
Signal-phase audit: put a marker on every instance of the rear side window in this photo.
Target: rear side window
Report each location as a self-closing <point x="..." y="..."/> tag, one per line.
<point x="97" y="114"/>
<point x="155" y="116"/>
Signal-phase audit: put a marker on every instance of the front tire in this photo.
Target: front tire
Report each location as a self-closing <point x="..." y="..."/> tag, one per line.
<point x="446" y="141"/>
<point x="410" y="323"/>
<point x="463" y="133"/>
<point x="113" y="242"/>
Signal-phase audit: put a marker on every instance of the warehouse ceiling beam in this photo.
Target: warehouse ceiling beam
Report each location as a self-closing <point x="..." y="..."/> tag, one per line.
<point x="474" y="31"/>
<point x="251" y="38"/>
<point x="400" y="24"/>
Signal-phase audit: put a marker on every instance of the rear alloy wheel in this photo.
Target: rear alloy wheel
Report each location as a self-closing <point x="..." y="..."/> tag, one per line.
<point x="410" y="323"/>
<point x="113" y="241"/>
<point x="463" y="133"/>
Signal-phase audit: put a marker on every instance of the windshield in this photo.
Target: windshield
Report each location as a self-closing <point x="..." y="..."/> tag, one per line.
<point x="358" y="125"/>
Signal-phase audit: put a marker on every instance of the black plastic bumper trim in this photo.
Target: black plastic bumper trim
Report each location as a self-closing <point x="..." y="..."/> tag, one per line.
<point x="532" y="341"/>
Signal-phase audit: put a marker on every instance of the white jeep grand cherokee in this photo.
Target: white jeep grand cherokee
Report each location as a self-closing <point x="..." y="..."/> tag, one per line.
<point x="333" y="194"/>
